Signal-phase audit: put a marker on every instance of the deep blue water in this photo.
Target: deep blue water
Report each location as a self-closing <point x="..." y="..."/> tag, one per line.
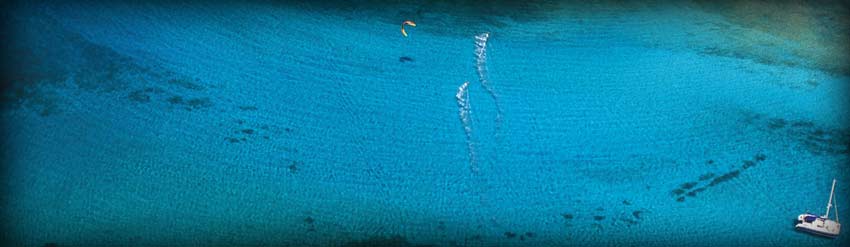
<point x="302" y="124"/>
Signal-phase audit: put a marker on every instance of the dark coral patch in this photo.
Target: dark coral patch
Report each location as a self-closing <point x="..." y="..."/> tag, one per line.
<point x="232" y="140"/>
<point x="140" y="96"/>
<point x="802" y="124"/>
<point x="826" y="142"/>
<point x="530" y="234"/>
<point x="688" y="185"/>
<point x="248" y="131"/>
<point x="293" y="167"/>
<point x="598" y="217"/>
<point x="175" y="100"/>
<point x="725" y="177"/>
<point x="761" y="157"/>
<point x="567" y="216"/>
<point x="748" y="164"/>
<point x="814" y="138"/>
<point x="199" y="103"/>
<point x="680" y="199"/>
<point x="626" y="202"/>
<point x="637" y="214"/>
<point x="405" y="59"/>
<point x="510" y="234"/>
<point x="191" y="103"/>
<point x="677" y="192"/>
<point x="309" y="220"/>
<point x="248" y="108"/>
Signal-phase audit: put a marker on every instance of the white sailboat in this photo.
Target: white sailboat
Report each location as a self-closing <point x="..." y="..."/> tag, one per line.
<point x="821" y="225"/>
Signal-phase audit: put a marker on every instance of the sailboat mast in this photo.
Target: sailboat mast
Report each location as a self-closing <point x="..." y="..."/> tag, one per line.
<point x="829" y="204"/>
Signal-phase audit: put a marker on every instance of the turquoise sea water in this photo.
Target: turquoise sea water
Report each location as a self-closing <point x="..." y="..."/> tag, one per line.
<point x="316" y="124"/>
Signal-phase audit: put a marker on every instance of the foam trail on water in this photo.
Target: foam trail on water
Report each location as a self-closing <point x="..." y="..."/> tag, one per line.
<point x="481" y="67"/>
<point x="462" y="97"/>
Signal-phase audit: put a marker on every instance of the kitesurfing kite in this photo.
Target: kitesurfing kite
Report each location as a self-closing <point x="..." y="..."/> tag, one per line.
<point x="411" y="23"/>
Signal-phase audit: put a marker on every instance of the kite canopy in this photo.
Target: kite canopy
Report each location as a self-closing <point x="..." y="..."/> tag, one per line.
<point x="406" y="22"/>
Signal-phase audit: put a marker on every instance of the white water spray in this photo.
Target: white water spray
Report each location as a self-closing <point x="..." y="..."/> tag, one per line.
<point x="481" y="67"/>
<point x="462" y="97"/>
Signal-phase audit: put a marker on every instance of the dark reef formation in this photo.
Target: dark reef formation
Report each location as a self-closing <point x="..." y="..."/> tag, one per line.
<point x="816" y="139"/>
<point x="293" y="167"/>
<point x="598" y="217"/>
<point x="690" y="189"/>
<point x="248" y="108"/>
<point x="190" y="104"/>
<point x="521" y="237"/>
<point x="48" y="58"/>
<point x="826" y="47"/>
<point x="244" y="131"/>
<point x="310" y="222"/>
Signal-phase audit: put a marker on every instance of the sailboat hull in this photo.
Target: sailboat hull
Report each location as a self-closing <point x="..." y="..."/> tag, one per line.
<point x="818" y="232"/>
<point x="818" y="226"/>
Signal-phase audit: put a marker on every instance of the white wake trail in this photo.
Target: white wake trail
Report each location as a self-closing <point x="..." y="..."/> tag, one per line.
<point x="462" y="97"/>
<point x="481" y="67"/>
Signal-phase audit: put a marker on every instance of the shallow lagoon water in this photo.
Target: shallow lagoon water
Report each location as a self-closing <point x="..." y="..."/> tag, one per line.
<point x="300" y="123"/>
